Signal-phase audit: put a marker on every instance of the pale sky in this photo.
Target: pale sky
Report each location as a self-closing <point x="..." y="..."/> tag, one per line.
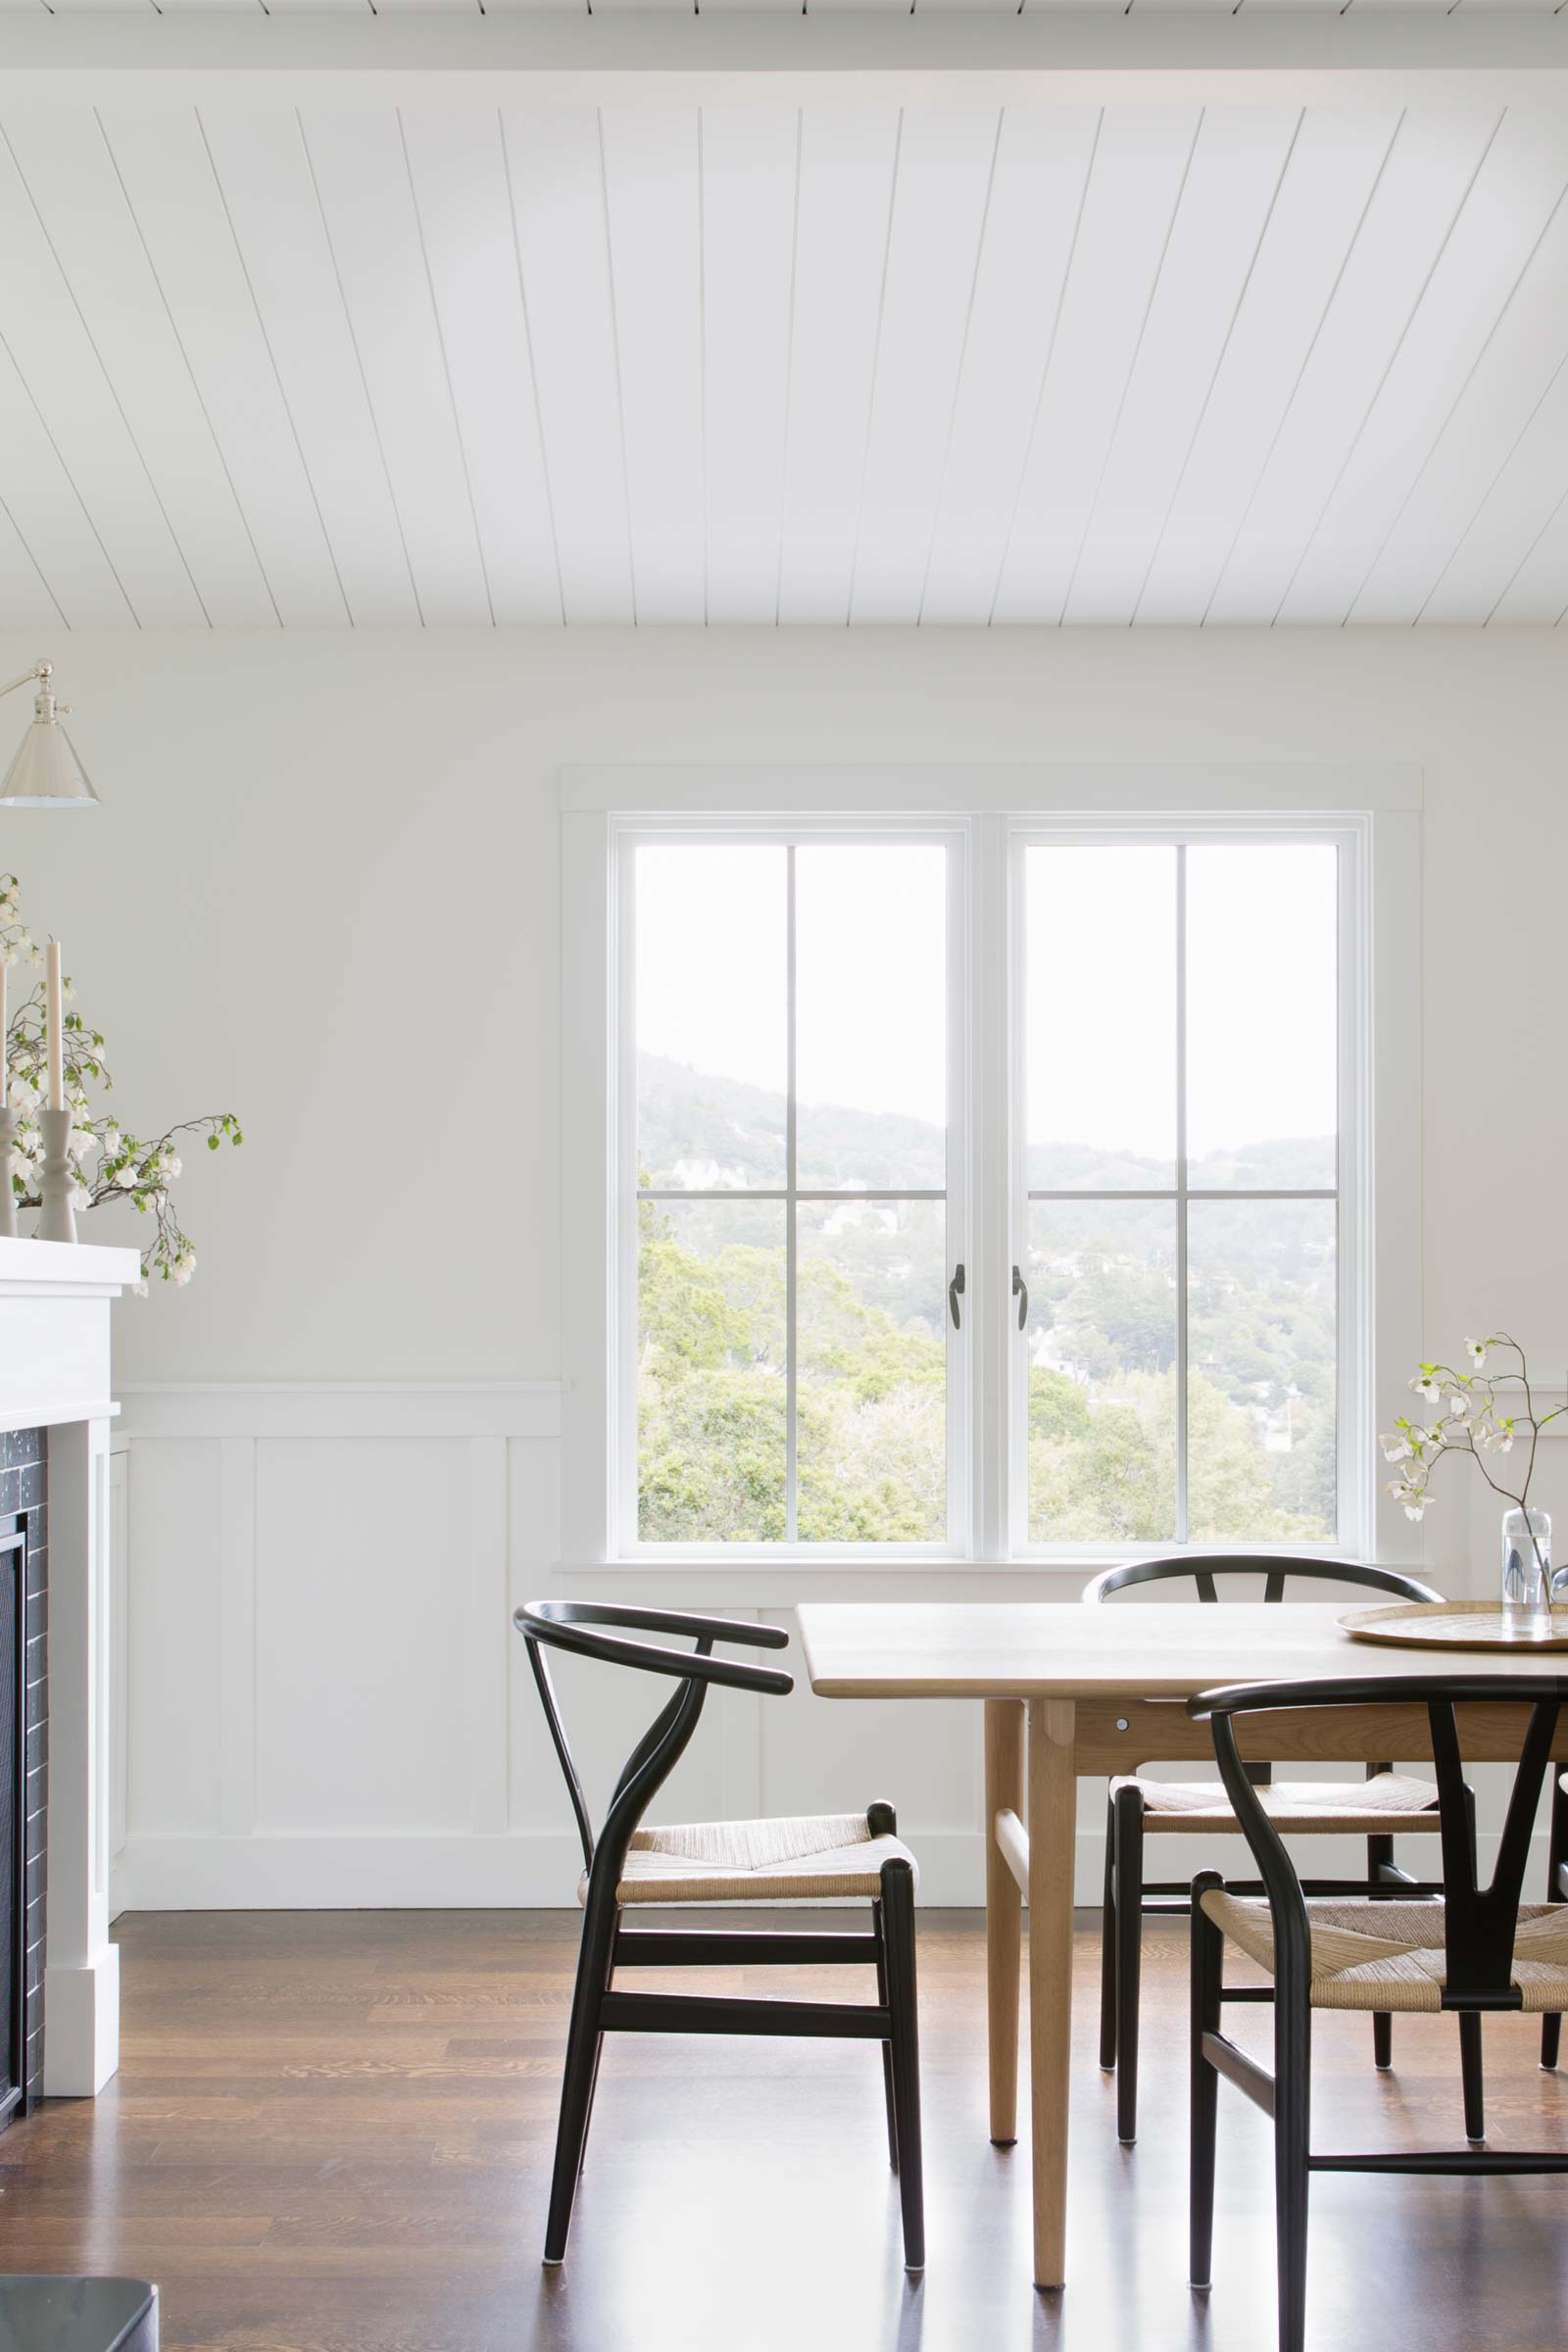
<point x="1100" y="1006"/>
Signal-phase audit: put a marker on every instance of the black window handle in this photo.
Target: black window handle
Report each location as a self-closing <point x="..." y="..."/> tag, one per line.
<point x="955" y="1293"/>
<point x="1020" y="1290"/>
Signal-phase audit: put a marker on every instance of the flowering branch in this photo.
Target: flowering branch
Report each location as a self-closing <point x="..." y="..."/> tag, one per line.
<point x="106" y="1161"/>
<point x="1469" y="1422"/>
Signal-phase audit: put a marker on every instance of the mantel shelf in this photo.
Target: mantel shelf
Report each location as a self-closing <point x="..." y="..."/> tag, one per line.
<point x="32" y="1269"/>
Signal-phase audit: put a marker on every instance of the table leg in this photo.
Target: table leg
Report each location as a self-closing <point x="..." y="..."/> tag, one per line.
<point x="1003" y="1913"/>
<point x="1053" y="1825"/>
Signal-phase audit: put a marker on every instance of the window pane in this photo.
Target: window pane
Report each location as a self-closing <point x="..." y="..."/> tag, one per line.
<point x="711" y="1374"/>
<point x="1100" y="1014"/>
<point x="1262" y="1020"/>
<point x="871" y="1379"/>
<point x="871" y="1016"/>
<point x="710" y="1015"/>
<point x="1261" y="1367"/>
<point x="1101" y="1371"/>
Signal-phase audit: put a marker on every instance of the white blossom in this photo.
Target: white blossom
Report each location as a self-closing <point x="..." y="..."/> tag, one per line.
<point x="1430" y="1391"/>
<point x="1476" y="1349"/>
<point x="1396" y="1448"/>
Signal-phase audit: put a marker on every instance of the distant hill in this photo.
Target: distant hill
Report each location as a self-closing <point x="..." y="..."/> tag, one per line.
<point x="687" y="1115"/>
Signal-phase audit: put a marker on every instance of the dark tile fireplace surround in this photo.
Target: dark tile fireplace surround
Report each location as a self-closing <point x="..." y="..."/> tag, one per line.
<point x="23" y="1578"/>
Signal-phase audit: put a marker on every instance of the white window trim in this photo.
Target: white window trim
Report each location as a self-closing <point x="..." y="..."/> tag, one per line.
<point x="1381" y="801"/>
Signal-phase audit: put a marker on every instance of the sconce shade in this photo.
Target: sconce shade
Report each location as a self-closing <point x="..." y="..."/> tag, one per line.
<point x="46" y="773"/>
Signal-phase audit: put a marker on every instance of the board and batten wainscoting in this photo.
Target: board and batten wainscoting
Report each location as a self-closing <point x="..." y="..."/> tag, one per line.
<point x="324" y="1576"/>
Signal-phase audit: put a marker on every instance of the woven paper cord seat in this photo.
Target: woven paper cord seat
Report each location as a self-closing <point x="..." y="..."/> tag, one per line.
<point x="792" y="1859"/>
<point x="1390" y="1955"/>
<point x="1382" y="1805"/>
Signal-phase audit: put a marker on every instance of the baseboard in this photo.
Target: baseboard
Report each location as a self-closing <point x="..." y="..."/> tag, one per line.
<point x="536" y="1871"/>
<point x="539" y="1870"/>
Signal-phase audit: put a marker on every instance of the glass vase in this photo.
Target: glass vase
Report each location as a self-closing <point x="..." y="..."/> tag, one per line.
<point x="1527" y="1570"/>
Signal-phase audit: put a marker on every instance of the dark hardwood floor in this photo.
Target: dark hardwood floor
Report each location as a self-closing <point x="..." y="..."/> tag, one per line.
<point x="331" y="2133"/>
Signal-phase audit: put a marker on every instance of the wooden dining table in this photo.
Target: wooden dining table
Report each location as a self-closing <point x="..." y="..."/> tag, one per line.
<point x="1072" y="1691"/>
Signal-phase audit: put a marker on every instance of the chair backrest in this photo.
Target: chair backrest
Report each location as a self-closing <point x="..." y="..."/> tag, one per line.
<point x="595" y="1629"/>
<point x="1273" y="1566"/>
<point x="1479" y="1922"/>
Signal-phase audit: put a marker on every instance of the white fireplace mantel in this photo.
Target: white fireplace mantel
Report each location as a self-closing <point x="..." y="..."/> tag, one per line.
<point x="54" y="1374"/>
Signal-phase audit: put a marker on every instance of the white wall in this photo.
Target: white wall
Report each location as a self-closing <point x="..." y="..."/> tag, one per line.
<point x="322" y="891"/>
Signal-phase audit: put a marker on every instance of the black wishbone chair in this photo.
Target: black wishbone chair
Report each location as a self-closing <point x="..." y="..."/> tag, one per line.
<point x="1384" y="1804"/>
<point x="720" y="1862"/>
<point x="1475" y="1951"/>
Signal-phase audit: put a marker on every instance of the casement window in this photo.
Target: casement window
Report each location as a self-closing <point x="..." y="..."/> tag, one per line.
<point x="791" y="1218"/>
<point x="975" y="1186"/>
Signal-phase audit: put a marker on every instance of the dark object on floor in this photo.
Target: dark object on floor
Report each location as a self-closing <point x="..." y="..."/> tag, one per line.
<point x="77" y="2315"/>
<point x="721" y="1862"/>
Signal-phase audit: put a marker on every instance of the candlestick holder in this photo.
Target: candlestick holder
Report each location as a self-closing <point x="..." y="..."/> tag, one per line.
<point x="8" y="1199"/>
<point x="58" y="1223"/>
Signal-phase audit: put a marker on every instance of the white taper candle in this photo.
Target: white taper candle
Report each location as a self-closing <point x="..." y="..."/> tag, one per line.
<point x="57" y="1031"/>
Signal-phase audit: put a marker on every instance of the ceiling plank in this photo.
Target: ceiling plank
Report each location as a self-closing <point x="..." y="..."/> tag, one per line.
<point x="167" y="175"/>
<point x="55" y="358"/>
<point x="1037" y="197"/>
<point x="556" y="168"/>
<point x="71" y="177"/>
<point x="24" y="599"/>
<point x="1512" y="375"/>
<point x="1493" y="410"/>
<point x="1141" y="168"/>
<point x="463" y="204"/>
<point x="269" y="198"/>
<point x="1237" y="173"/>
<point x="1518" y="189"/>
<point x="750" y="158"/>
<point x="359" y="165"/>
<point x="945" y="165"/>
<point x="1516" y="510"/>
<point x="845" y="210"/>
<point x="1537" y="596"/>
<point x="75" y="572"/>
<point x="1327" y="184"/>
<point x="1419" y="198"/>
<point x="655" y="238"/>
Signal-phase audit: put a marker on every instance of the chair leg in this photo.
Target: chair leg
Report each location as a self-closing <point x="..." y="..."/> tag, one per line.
<point x="1380" y="1850"/>
<point x="593" y="2092"/>
<point x="1471" y="2076"/>
<point x="879" y="1930"/>
<point x="1129" y="1901"/>
<point x="1207" y="1949"/>
<point x="897" y="1920"/>
<point x="1293" y="2058"/>
<point x="1556" y="1855"/>
<point x="578" y="2081"/>
<point x="1107" y="1949"/>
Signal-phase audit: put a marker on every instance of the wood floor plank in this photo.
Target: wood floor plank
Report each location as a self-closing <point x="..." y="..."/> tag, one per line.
<point x="331" y="2133"/>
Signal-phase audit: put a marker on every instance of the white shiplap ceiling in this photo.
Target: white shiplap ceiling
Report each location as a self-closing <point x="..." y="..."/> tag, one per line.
<point x="324" y="366"/>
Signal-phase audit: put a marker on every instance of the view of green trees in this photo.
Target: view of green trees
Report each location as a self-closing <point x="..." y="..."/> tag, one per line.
<point x="871" y="1411"/>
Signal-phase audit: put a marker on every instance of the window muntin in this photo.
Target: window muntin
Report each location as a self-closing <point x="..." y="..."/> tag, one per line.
<point x="1181" y="1210"/>
<point x="787" y="1352"/>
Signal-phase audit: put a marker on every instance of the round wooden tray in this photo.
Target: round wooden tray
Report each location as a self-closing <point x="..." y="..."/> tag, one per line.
<point x="1451" y="1624"/>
